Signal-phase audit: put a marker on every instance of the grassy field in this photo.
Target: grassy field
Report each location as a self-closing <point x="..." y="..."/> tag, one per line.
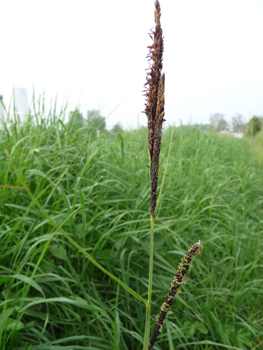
<point x="96" y="187"/>
<point x="256" y="143"/>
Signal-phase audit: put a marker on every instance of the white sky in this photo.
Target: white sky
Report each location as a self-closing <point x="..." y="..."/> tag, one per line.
<point x="94" y="53"/>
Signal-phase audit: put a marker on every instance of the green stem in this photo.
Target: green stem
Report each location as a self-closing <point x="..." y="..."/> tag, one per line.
<point x="148" y="305"/>
<point x="151" y="262"/>
<point x="147" y="327"/>
<point x="166" y="165"/>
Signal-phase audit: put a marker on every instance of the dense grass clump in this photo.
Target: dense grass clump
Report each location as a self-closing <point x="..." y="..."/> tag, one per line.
<point x="256" y="143"/>
<point x="96" y="187"/>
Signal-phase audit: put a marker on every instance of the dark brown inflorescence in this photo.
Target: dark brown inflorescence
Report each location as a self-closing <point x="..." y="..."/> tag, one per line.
<point x="157" y="144"/>
<point x="154" y="106"/>
<point x="176" y="283"/>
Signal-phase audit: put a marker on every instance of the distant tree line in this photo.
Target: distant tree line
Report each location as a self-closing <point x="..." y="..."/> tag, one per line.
<point x="255" y="125"/>
<point x="218" y="123"/>
<point x="93" y="123"/>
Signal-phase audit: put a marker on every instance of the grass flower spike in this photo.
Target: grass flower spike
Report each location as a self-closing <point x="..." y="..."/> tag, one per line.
<point x="175" y="286"/>
<point x="157" y="145"/>
<point x="154" y="110"/>
<point x="154" y="106"/>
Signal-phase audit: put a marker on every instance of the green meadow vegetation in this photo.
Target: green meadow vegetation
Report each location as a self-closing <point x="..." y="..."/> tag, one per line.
<point x="90" y="241"/>
<point x="256" y="143"/>
<point x="95" y="186"/>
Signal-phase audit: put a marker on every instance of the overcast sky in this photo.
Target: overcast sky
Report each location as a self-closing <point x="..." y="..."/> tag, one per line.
<point x="93" y="53"/>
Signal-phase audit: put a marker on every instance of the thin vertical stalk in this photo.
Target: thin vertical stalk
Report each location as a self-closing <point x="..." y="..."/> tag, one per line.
<point x="151" y="261"/>
<point x="147" y="327"/>
<point x="148" y="305"/>
<point x="165" y="170"/>
<point x="154" y="110"/>
<point x="154" y="106"/>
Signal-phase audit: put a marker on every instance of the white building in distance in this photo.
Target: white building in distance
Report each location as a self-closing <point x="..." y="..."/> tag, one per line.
<point x="13" y="102"/>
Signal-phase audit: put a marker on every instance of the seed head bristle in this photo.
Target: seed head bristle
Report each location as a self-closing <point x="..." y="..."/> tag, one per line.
<point x="153" y="77"/>
<point x="175" y="288"/>
<point x="154" y="106"/>
<point x="157" y="144"/>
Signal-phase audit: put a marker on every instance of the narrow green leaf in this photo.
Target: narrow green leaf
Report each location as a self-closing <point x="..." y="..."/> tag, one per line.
<point x="68" y="237"/>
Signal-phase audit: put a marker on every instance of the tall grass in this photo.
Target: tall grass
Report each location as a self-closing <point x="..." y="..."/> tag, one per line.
<point x="256" y="147"/>
<point x="154" y="110"/>
<point x="97" y="190"/>
<point x="61" y="261"/>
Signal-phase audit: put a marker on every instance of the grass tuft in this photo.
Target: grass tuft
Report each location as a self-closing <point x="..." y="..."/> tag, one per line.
<point x="213" y="191"/>
<point x="74" y="226"/>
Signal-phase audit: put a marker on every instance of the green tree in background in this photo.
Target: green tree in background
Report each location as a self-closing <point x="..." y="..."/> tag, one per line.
<point x="215" y="119"/>
<point x="238" y="123"/>
<point x="222" y="125"/>
<point x="95" y="121"/>
<point x="255" y="125"/>
<point x="117" y="128"/>
<point x="76" y="120"/>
